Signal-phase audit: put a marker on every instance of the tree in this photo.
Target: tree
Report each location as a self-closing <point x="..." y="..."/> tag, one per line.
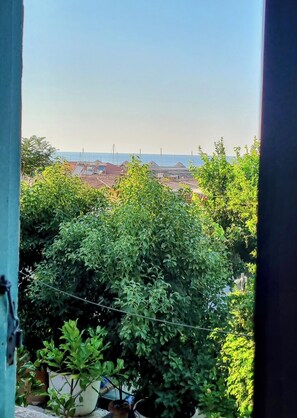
<point x="36" y="154"/>
<point x="147" y="253"/>
<point x="214" y="178"/>
<point x="237" y="351"/>
<point x="243" y="200"/>
<point x="227" y="390"/>
<point x="54" y="197"/>
<point x="232" y="200"/>
<point x="231" y="187"/>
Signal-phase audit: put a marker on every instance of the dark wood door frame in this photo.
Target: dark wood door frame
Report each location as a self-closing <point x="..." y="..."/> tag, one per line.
<point x="276" y="288"/>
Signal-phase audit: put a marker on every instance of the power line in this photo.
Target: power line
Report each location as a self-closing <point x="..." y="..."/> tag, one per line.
<point x="162" y="321"/>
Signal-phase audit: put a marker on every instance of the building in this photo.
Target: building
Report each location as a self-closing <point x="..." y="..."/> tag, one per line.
<point x="95" y="168"/>
<point x="176" y="172"/>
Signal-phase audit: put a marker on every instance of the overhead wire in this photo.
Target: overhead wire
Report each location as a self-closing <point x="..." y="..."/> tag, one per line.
<point x="149" y="318"/>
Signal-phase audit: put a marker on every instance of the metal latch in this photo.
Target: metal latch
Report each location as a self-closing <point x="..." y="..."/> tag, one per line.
<point x="14" y="333"/>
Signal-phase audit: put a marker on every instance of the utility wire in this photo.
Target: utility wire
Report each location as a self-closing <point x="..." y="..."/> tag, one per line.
<point x="162" y="321"/>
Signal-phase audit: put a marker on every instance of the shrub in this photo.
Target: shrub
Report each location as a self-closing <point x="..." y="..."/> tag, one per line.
<point x="54" y="197"/>
<point x="150" y="254"/>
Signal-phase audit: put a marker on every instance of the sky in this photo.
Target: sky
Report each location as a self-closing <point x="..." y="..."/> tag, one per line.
<point x="142" y="74"/>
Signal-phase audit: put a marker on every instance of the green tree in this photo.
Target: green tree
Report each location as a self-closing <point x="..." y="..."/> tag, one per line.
<point x="36" y="154"/>
<point x="243" y="200"/>
<point x="231" y="187"/>
<point x="237" y="352"/>
<point x="228" y="387"/>
<point x="214" y="178"/>
<point x="54" y="197"/>
<point x="149" y="254"/>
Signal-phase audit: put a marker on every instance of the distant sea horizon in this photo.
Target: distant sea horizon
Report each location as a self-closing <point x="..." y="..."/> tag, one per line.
<point x="120" y="158"/>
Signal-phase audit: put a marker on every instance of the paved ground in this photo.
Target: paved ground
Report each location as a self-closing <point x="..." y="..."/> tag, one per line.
<point x="29" y="413"/>
<point x="35" y="412"/>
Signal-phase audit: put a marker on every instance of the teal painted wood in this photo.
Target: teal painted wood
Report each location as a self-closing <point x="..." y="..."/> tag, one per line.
<point x="11" y="16"/>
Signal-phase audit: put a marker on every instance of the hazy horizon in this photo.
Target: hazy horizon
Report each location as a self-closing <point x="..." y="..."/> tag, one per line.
<point x="142" y="74"/>
<point x="132" y="153"/>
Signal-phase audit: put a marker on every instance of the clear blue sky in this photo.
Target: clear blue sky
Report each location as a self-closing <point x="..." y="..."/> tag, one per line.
<point x="142" y="74"/>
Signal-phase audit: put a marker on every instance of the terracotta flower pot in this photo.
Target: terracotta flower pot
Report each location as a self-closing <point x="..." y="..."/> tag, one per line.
<point x="119" y="409"/>
<point x="32" y="399"/>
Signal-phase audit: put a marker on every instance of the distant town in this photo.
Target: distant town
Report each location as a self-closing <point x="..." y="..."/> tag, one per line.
<point x="100" y="174"/>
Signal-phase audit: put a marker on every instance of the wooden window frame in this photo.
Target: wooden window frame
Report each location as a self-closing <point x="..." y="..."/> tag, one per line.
<point x="11" y="28"/>
<point x="276" y="287"/>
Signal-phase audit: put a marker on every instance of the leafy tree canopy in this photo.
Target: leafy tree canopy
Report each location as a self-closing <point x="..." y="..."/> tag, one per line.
<point x="54" y="196"/>
<point x="36" y="154"/>
<point x="237" y="352"/>
<point x="149" y="253"/>
<point x="231" y="187"/>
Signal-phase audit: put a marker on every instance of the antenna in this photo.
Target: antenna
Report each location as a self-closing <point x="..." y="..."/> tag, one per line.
<point x="113" y="149"/>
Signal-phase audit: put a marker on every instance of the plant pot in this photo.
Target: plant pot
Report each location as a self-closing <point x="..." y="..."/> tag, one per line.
<point x="141" y="410"/>
<point x="199" y="414"/>
<point x="119" y="408"/>
<point x="32" y="399"/>
<point x="62" y="385"/>
<point x="144" y="408"/>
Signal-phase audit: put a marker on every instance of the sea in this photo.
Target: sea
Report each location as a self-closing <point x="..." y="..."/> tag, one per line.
<point x="165" y="160"/>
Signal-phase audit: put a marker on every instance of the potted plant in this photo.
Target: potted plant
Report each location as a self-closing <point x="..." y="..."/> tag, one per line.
<point x="76" y="368"/>
<point x="39" y="397"/>
<point x="118" y="409"/>
<point x="29" y="385"/>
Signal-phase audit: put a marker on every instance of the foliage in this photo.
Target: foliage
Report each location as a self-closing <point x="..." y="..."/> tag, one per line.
<point x="36" y="155"/>
<point x="214" y="401"/>
<point x="230" y="388"/>
<point x="243" y="198"/>
<point x="231" y="188"/>
<point x="238" y="351"/>
<point x="80" y="360"/>
<point x="54" y="197"/>
<point x="26" y="381"/>
<point x="214" y="177"/>
<point x="148" y="253"/>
